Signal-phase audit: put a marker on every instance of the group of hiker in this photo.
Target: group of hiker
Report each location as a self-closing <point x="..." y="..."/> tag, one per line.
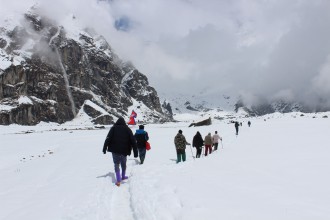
<point x="120" y="141"/>
<point x="198" y="142"/>
<point x="237" y="124"/>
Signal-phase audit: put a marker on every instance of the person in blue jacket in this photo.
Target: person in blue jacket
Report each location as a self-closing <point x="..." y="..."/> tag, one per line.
<point x="141" y="137"/>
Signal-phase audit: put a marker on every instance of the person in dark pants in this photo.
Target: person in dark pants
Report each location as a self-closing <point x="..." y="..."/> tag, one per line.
<point x="180" y="145"/>
<point x="249" y="123"/>
<point x="198" y="143"/>
<point x="215" y="140"/>
<point x="120" y="141"/>
<point x="141" y="137"/>
<point x="236" y="127"/>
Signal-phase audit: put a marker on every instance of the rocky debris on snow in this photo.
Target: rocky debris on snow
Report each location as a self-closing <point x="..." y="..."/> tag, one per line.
<point x="201" y="123"/>
<point x="32" y="157"/>
<point x="99" y="127"/>
<point x="219" y="118"/>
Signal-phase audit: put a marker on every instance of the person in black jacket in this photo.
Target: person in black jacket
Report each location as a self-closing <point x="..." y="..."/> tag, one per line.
<point x="198" y="143"/>
<point x="141" y="137"/>
<point x="120" y="141"/>
<point x="236" y="127"/>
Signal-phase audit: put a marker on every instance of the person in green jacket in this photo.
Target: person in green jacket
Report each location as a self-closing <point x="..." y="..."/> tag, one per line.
<point x="180" y="145"/>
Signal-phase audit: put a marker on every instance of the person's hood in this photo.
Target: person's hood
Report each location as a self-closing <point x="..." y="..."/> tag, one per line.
<point x="120" y="121"/>
<point x="140" y="131"/>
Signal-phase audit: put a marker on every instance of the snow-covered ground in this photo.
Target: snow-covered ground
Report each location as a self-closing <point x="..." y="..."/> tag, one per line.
<point x="276" y="169"/>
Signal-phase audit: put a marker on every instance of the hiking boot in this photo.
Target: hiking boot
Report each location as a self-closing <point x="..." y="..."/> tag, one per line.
<point x="118" y="178"/>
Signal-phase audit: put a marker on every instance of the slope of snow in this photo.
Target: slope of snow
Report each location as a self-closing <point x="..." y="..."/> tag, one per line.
<point x="199" y="101"/>
<point x="276" y="169"/>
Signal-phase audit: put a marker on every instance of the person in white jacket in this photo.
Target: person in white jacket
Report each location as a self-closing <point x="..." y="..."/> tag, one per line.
<point x="215" y="140"/>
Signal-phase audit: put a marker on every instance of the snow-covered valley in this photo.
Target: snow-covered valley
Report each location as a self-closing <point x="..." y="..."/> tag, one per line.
<point x="275" y="169"/>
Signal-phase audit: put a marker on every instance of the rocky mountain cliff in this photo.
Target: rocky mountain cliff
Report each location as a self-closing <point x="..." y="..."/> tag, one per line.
<point x="50" y="74"/>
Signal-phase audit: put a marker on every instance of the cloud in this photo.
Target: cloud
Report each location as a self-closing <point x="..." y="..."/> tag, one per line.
<point x="264" y="48"/>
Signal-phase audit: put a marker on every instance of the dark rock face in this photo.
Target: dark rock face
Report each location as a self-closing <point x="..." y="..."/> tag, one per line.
<point x="3" y="43"/>
<point x="167" y="108"/>
<point x="201" y="123"/>
<point x="55" y="73"/>
<point x="265" y="107"/>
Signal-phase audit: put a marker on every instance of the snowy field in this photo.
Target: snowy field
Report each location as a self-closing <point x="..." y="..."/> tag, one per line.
<point x="276" y="169"/>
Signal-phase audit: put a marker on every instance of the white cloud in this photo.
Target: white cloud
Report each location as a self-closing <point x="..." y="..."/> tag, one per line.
<point x="266" y="48"/>
<point x="321" y="82"/>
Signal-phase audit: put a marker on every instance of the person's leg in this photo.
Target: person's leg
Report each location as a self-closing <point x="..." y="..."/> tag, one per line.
<point x="206" y="149"/>
<point x="178" y="156"/>
<point x="184" y="157"/>
<point x="199" y="152"/>
<point x="116" y="160"/>
<point x="139" y="150"/>
<point x="216" y="146"/>
<point x="123" y="167"/>
<point x="142" y="153"/>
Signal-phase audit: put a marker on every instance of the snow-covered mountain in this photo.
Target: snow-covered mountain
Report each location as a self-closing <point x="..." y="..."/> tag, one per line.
<point x="213" y="104"/>
<point x="56" y="74"/>
<point x="267" y="107"/>
<point x="49" y="73"/>
<point x="199" y="102"/>
<point x="220" y="106"/>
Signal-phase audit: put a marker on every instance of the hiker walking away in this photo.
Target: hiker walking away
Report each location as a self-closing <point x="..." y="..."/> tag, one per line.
<point x="198" y="143"/>
<point x="249" y="123"/>
<point x="180" y="145"/>
<point x="208" y="143"/>
<point x="141" y="137"/>
<point x="119" y="142"/>
<point x="215" y="140"/>
<point x="236" y="127"/>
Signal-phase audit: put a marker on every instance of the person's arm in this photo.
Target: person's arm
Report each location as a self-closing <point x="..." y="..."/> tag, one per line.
<point x="107" y="141"/>
<point x="147" y="136"/>
<point x="186" y="141"/>
<point x="133" y="142"/>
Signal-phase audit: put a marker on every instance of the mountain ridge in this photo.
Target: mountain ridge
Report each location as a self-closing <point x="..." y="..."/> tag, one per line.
<point x="58" y="70"/>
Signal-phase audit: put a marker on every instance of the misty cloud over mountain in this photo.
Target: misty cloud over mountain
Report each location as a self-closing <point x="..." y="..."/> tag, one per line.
<point x="261" y="50"/>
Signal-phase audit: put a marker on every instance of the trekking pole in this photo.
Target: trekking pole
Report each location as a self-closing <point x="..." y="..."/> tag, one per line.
<point x="221" y="144"/>
<point x="192" y="154"/>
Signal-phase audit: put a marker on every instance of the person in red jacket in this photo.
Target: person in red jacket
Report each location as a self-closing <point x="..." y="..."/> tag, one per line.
<point x="120" y="141"/>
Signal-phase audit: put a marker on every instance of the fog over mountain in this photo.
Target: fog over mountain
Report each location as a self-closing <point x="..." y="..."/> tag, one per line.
<point x="258" y="49"/>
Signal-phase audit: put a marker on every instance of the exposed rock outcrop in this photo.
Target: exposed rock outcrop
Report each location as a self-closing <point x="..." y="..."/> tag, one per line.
<point x="201" y="123"/>
<point x="58" y="70"/>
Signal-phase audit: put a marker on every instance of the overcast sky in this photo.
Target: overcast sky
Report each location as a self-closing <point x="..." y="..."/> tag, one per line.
<point x="268" y="48"/>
